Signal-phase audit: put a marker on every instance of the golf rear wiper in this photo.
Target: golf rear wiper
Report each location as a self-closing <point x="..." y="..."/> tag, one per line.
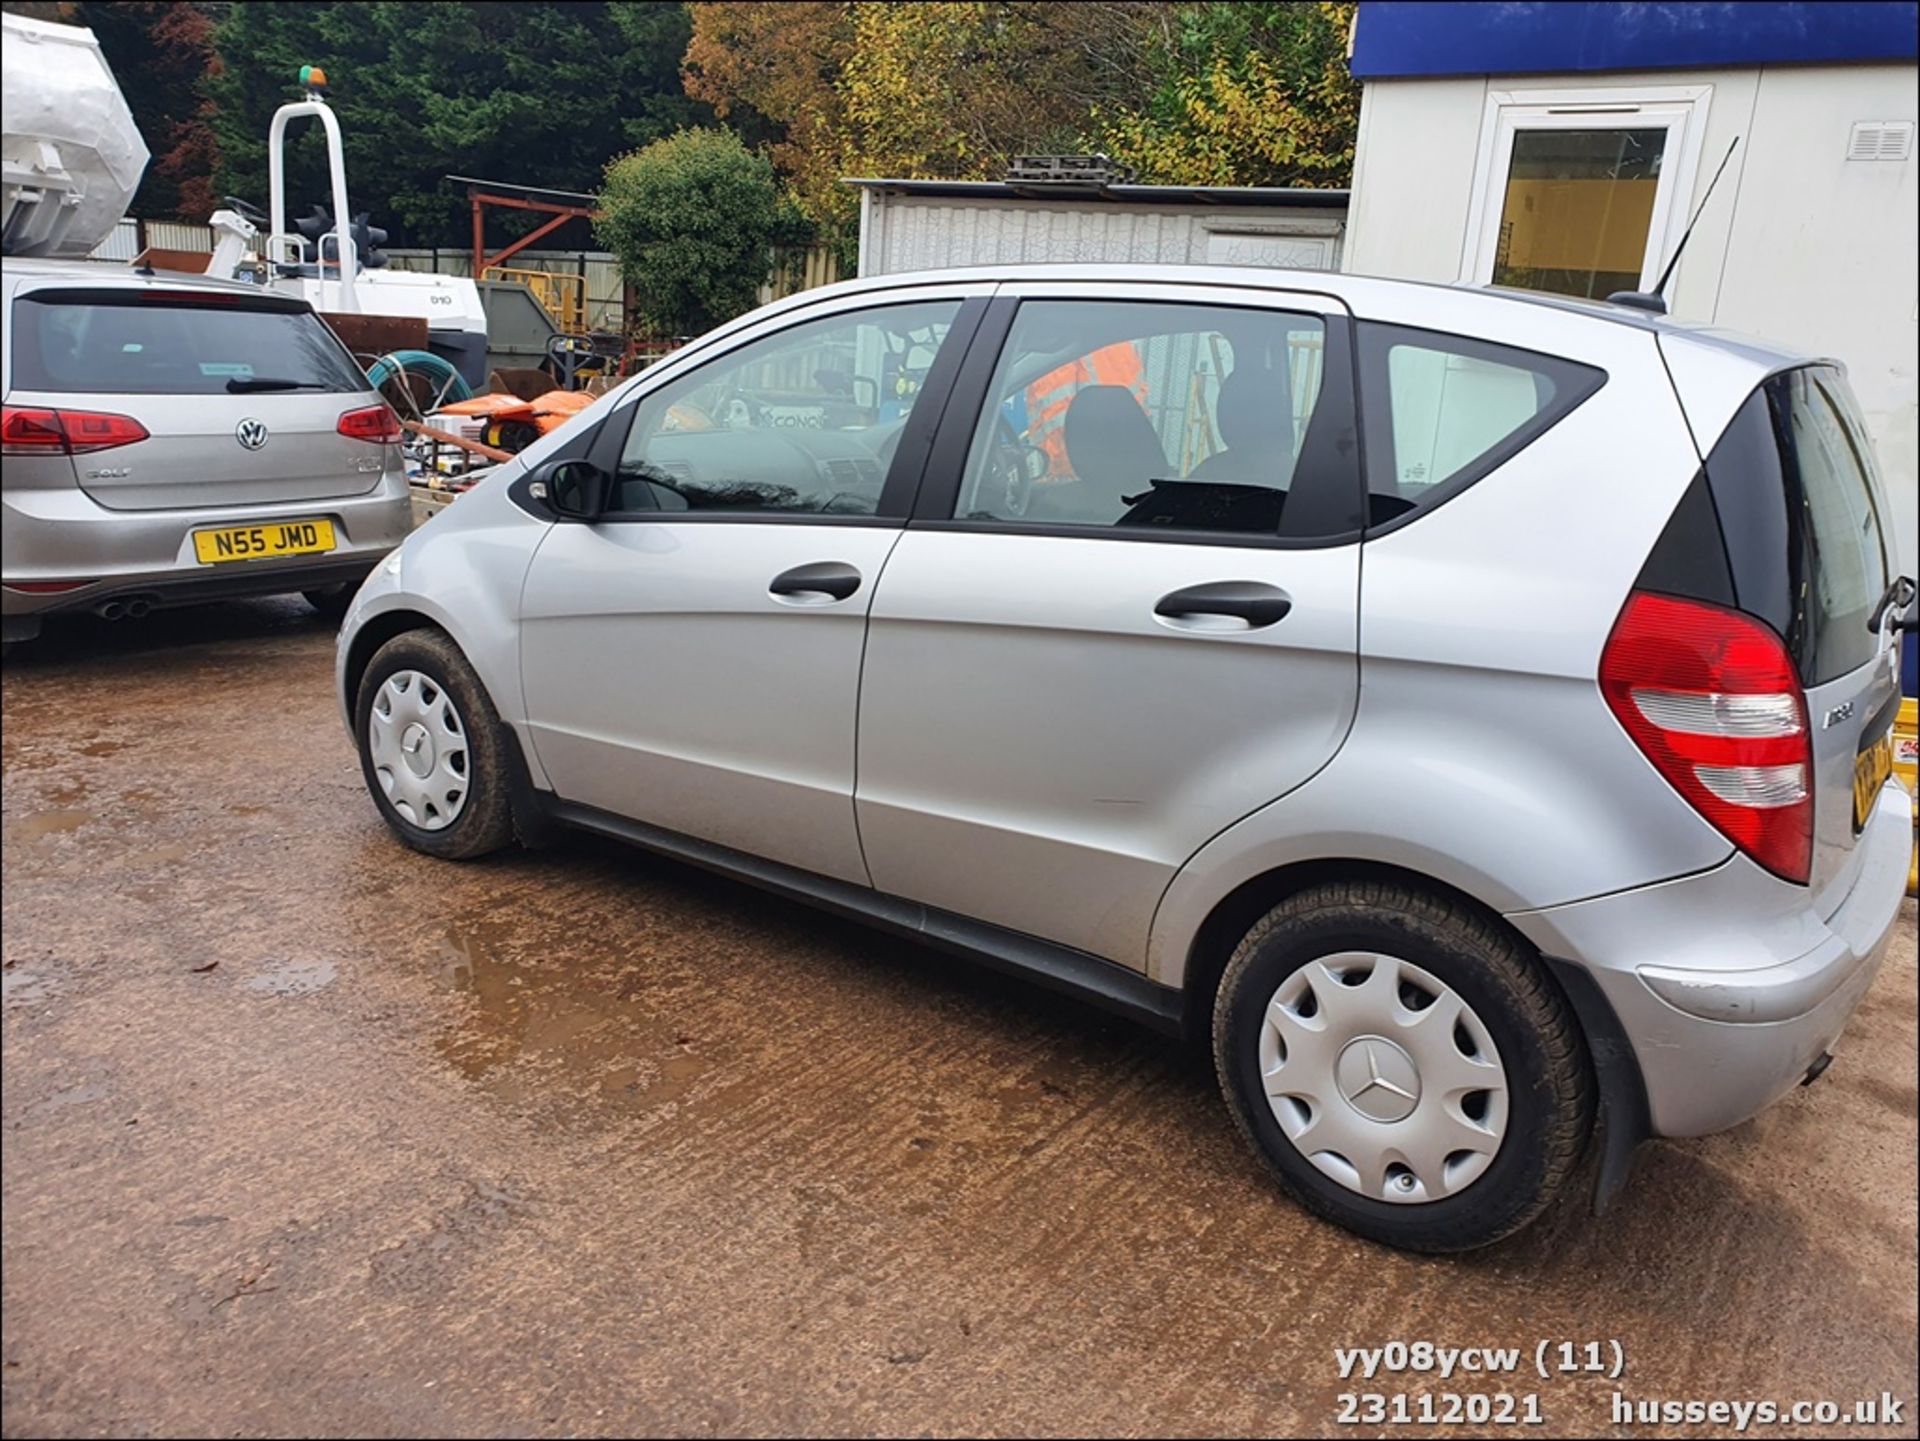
<point x="247" y="386"/>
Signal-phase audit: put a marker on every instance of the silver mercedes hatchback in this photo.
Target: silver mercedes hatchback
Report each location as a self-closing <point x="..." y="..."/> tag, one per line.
<point x="1468" y="712"/>
<point x="171" y="438"/>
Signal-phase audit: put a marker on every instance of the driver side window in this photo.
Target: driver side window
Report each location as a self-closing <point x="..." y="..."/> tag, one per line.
<point x="803" y="421"/>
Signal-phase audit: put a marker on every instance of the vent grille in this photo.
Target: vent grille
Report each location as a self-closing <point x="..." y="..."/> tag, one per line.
<point x="1880" y="140"/>
<point x="852" y="472"/>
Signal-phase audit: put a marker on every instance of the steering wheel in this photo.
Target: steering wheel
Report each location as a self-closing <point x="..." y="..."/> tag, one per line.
<point x="1009" y="470"/>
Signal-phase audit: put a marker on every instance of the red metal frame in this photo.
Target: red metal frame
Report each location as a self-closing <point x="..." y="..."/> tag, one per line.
<point x="481" y="199"/>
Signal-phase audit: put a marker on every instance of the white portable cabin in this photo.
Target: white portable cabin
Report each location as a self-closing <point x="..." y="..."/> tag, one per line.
<point x="1566" y="147"/>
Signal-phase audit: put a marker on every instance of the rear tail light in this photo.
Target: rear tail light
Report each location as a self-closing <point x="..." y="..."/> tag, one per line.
<point x="65" y="432"/>
<point x="1710" y="696"/>
<point x="376" y="423"/>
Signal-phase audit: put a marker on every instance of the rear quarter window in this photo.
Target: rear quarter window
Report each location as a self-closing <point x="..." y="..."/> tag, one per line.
<point x="1442" y="410"/>
<point x="128" y="342"/>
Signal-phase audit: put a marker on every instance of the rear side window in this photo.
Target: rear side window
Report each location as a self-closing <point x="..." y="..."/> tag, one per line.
<point x="1444" y="410"/>
<point x="118" y="342"/>
<point x="1155" y="418"/>
<point x="1792" y="480"/>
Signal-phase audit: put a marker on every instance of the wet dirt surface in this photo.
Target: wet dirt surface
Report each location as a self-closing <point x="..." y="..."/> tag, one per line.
<point x="304" y="1133"/>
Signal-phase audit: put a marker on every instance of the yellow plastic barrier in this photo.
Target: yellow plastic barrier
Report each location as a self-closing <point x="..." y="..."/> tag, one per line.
<point x="1906" y="765"/>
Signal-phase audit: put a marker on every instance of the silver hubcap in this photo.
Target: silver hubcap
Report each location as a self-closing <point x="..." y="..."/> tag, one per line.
<point x="1383" y="1077"/>
<point x="419" y="748"/>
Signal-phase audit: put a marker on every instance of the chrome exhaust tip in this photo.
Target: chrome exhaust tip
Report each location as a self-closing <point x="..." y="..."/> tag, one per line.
<point x="111" y="610"/>
<point x="138" y="607"/>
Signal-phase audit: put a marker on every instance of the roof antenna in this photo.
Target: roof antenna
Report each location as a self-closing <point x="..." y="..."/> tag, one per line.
<point x="1655" y="300"/>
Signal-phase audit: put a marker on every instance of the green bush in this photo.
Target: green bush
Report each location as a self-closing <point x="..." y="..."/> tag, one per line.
<point x="691" y="218"/>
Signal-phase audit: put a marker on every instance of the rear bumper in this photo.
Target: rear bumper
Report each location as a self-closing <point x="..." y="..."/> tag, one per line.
<point x="1726" y="995"/>
<point x="61" y="534"/>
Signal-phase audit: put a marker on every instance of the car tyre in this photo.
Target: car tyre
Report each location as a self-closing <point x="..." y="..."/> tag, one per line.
<point x="1546" y="1097"/>
<point x="331" y="601"/>
<point x="484" y="819"/>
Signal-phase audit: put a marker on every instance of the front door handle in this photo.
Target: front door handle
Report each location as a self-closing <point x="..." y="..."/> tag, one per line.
<point x="1252" y="601"/>
<point x="821" y="583"/>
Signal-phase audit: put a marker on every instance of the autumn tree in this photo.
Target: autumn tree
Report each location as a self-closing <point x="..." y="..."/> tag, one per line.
<point x="1247" y="94"/>
<point x="955" y="90"/>
<point x="169" y="102"/>
<point x="783" y="63"/>
<point x="950" y="90"/>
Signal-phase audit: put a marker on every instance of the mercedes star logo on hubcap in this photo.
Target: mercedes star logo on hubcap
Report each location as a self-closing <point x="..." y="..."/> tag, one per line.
<point x="415" y="746"/>
<point x="1378" y="1079"/>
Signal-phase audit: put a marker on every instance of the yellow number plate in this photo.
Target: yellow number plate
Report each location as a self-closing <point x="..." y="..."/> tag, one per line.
<point x="263" y="542"/>
<point x="1870" y="771"/>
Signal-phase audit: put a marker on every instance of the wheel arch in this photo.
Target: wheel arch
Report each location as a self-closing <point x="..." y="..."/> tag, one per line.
<point x="531" y="822"/>
<point x="373" y="633"/>
<point x="1234" y="914"/>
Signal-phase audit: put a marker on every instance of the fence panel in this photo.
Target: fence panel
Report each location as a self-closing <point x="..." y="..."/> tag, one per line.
<point x="122" y="242"/>
<point x="175" y="235"/>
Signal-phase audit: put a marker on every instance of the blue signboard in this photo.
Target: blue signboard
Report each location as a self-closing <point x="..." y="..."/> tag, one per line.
<point x="1393" y="38"/>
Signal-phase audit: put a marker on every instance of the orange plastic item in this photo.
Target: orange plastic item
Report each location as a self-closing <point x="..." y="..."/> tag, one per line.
<point x="545" y="412"/>
<point x="485" y="405"/>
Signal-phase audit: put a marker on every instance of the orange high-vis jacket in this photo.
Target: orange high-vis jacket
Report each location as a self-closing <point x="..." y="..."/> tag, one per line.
<point x="1050" y="395"/>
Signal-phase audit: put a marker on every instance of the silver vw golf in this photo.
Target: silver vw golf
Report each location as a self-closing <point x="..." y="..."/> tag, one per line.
<point x="171" y="438"/>
<point x="1467" y="711"/>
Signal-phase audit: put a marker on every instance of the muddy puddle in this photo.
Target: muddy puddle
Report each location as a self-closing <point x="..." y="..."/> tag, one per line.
<point x="292" y="977"/>
<point x="540" y="1027"/>
<point x="26" y="988"/>
<point x="29" y="829"/>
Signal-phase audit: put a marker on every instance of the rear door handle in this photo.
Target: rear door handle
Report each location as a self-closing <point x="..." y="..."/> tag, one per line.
<point x="821" y="583"/>
<point x="1253" y="601"/>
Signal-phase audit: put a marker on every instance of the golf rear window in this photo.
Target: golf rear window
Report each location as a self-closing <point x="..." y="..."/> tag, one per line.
<point x="128" y="342"/>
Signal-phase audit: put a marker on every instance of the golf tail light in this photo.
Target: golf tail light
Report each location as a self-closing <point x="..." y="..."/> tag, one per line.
<point x="25" y="431"/>
<point x="1711" y="698"/>
<point x="376" y="423"/>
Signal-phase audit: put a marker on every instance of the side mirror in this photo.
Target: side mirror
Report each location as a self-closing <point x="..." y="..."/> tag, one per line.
<point x="573" y="489"/>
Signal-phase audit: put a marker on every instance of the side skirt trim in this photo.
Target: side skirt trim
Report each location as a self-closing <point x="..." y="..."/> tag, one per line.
<point x="1059" y="968"/>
